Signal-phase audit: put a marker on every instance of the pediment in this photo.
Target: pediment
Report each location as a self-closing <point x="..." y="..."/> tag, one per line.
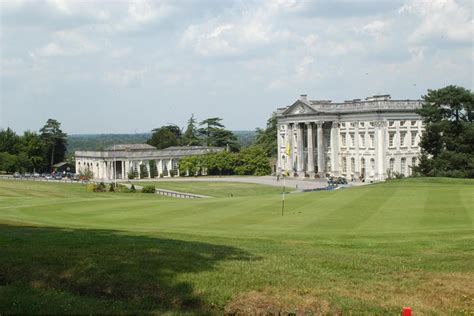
<point x="299" y="108"/>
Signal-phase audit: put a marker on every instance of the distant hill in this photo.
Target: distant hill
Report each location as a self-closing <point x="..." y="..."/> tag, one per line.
<point x="100" y="141"/>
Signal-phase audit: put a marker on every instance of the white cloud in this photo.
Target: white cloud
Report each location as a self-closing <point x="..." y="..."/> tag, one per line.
<point x="125" y="77"/>
<point x="68" y="43"/>
<point x="441" y="19"/>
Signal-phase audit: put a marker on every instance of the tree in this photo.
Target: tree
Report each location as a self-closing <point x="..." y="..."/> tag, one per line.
<point x="190" y="137"/>
<point x="448" y="141"/>
<point x="216" y="135"/>
<point x="267" y="138"/>
<point x="55" y="141"/>
<point x="165" y="136"/>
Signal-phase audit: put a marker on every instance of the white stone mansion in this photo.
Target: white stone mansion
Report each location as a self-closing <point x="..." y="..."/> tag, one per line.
<point x="115" y="162"/>
<point x="357" y="139"/>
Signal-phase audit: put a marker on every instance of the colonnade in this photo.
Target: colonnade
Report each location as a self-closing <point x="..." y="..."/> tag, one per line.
<point x="312" y="148"/>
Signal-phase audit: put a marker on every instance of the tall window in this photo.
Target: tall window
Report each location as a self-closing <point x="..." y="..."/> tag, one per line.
<point x="402" y="165"/>
<point x="362" y="139"/>
<point x="413" y="139"/>
<point x="352" y="139"/>
<point x="372" y="166"/>
<point x="391" y="164"/>
<point x="391" y="138"/>
<point x="344" y="164"/>
<point x="353" y="167"/>
<point x="413" y="161"/>
<point x="343" y="139"/>
<point x="372" y="139"/>
<point x="402" y="139"/>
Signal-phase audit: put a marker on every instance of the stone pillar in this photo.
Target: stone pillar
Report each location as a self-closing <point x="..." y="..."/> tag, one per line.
<point x="335" y="148"/>
<point x="310" y="150"/>
<point x="289" y="143"/>
<point x="321" y="162"/>
<point x="158" y="170"/>
<point x="380" y="150"/>
<point x="148" y="169"/>
<point x="300" y="153"/>
<point x="280" y="165"/>
<point x="139" y="169"/>
<point x="123" y="170"/>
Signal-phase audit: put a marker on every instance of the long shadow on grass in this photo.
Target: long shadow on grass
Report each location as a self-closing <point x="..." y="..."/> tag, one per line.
<point x="114" y="272"/>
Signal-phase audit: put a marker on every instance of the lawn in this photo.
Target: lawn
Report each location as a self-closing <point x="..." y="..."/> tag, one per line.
<point x="216" y="189"/>
<point x="369" y="249"/>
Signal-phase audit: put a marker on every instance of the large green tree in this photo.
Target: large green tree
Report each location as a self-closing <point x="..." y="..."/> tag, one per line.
<point x="55" y="142"/>
<point x="165" y="136"/>
<point x="448" y="141"/>
<point x="215" y="134"/>
<point x="190" y="136"/>
<point x="267" y="138"/>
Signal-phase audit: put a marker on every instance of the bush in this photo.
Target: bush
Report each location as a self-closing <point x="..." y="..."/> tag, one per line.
<point x="111" y="187"/>
<point x="90" y="187"/>
<point x="100" y="187"/>
<point x="148" y="189"/>
<point x="130" y="175"/>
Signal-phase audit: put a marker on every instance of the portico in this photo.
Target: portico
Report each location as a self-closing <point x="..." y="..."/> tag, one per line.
<point x="355" y="139"/>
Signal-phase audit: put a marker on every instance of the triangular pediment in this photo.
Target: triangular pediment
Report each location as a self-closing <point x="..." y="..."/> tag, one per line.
<point x="298" y="108"/>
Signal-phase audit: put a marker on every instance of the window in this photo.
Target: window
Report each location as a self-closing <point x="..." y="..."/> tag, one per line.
<point x="362" y="139"/>
<point x="402" y="139"/>
<point x="344" y="164"/>
<point x="390" y="123"/>
<point x="413" y="139"/>
<point x="328" y="140"/>
<point x="352" y="139"/>
<point x="413" y="161"/>
<point x="391" y="138"/>
<point x="402" y="123"/>
<point x="372" y="165"/>
<point x="353" y="165"/>
<point x="353" y="124"/>
<point x="413" y="123"/>
<point x="343" y="139"/>
<point x="391" y="164"/>
<point x="372" y="139"/>
<point x="402" y="166"/>
<point x="361" y="124"/>
<point x="343" y="124"/>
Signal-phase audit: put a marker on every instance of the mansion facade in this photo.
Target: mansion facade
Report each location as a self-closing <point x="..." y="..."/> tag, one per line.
<point x="357" y="139"/>
<point x="116" y="162"/>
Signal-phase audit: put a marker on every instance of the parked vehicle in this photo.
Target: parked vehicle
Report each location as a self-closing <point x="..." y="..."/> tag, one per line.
<point x="36" y="175"/>
<point x="16" y="175"/>
<point x="48" y="177"/>
<point x="27" y="175"/>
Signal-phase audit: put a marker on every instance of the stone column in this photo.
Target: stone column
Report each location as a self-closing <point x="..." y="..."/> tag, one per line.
<point x="335" y="148"/>
<point x="139" y="169"/>
<point x="289" y="142"/>
<point x="321" y="162"/>
<point x="310" y="150"/>
<point x="158" y="170"/>
<point x="380" y="150"/>
<point x="279" y="142"/>
<point x="148" y="169"/>
<point x="300" y="161"/>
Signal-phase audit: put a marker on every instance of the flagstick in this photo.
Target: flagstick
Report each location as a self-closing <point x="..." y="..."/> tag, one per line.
<point x="283" y="198"/>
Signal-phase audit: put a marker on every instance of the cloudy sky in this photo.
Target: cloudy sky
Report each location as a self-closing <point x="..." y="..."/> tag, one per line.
<point x="116" y="66"/>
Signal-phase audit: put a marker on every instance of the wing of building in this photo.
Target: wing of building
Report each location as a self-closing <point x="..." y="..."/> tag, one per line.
<point x="367" y="139"/>
<point x="115" y="162"/>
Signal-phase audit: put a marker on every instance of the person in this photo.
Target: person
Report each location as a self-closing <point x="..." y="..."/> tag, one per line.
<point x="278" y="177"/>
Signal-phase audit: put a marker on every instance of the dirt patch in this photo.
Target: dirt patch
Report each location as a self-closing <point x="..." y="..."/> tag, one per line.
<point x="263" y="303"/>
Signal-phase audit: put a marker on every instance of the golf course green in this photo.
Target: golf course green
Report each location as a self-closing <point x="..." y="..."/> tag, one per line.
<point x="362" y="250"/>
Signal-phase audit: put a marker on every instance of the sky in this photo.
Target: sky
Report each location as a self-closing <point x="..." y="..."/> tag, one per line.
<point x="131" y="66"/>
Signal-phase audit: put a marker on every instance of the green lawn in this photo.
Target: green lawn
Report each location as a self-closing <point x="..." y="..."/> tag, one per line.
<point x="364" y="250"/>
<point x="216" y="189"/>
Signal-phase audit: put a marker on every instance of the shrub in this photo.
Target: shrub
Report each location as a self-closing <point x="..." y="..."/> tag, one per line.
<point x="111" y="187"/>
<point x="148" y="189"/>
<point x="130" y="175"/>
<point x="90" y="187"/>
<point x="100" y="187"/>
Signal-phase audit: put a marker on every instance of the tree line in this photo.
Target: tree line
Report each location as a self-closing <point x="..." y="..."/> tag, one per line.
<point x="32" y="151"/>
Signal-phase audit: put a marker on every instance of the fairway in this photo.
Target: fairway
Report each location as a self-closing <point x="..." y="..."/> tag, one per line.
<point x="370" y="249"/>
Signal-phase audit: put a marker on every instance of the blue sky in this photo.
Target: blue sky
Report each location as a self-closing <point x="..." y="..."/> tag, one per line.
<point x="126" y="66"/>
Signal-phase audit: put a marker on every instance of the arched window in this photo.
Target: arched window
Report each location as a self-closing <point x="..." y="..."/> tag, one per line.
<point x="352" y="165"/>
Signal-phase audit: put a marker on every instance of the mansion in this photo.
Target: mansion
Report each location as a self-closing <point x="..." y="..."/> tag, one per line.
<point x="116" y="162"/>
<point x="357" y="139"/>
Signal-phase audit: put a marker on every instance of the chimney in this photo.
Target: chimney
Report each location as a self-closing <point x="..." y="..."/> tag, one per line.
<point x="303" y="97"/>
